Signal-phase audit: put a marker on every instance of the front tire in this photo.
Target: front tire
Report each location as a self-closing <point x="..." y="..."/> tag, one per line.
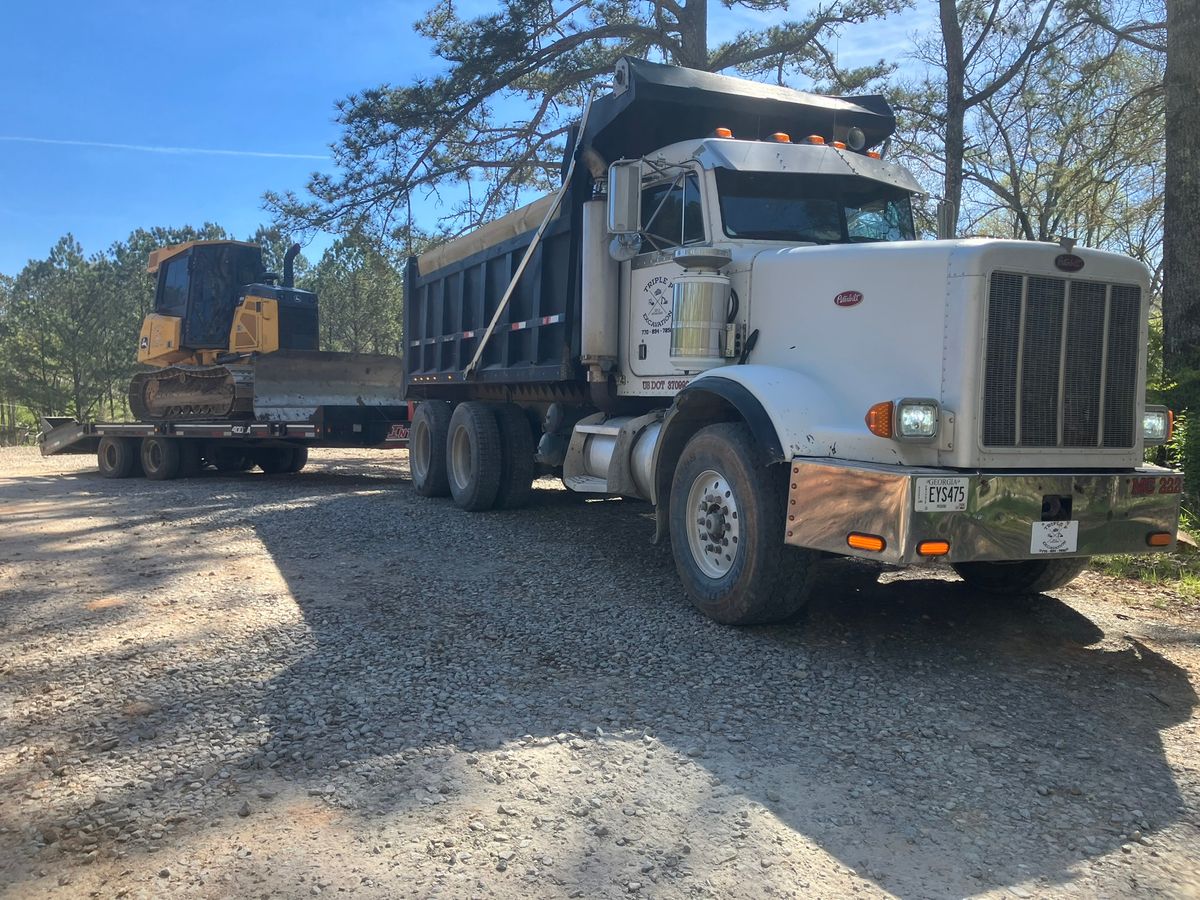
<point x="1027" y="576"/>
<point x="117" y="457"/>
<point x="427" y="448"/>
<point x="161" y="459"/>
<point x="727" y="526"/>
<point x="473" y="456"/>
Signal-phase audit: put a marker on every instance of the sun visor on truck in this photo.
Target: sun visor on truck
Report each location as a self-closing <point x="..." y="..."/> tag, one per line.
<point x="653" y="105"/>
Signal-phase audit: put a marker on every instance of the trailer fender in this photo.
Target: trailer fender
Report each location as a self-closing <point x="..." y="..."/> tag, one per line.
<point x="776" y="404"/>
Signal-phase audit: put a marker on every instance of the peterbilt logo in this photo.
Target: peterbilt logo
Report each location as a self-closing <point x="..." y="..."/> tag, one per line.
<point x="1068" y="262"/>
<point x="848" y="298"/>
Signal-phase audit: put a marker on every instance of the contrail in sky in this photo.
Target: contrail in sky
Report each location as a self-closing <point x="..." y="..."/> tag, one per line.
<point x="204" y="151"/>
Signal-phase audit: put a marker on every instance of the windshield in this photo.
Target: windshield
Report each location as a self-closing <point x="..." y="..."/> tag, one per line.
<point x="819" y="209"/>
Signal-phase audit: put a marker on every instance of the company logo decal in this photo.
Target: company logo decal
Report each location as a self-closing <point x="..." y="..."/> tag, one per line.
<point x="848" y="298"/>
<point x="1068" y="262"/>
<point x="657" y="297"/>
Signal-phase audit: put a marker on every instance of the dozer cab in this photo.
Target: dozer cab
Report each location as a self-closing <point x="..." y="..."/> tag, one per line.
<point x="233" y="341"/>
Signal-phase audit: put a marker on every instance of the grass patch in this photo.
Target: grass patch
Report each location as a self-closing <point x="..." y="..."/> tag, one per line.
<point x="1178" y="572"/>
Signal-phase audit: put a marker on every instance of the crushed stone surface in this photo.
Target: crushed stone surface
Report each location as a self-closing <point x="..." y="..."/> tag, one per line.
<point x="252" y="686"/>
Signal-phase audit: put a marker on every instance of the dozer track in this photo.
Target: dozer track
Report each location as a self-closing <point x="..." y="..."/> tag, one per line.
<point x="181" y="393"/>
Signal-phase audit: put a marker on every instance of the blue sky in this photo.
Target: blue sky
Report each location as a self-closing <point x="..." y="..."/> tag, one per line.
<point x="105" y="107"/>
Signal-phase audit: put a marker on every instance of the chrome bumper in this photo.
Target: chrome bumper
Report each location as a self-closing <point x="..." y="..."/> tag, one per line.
<point x="1116" y="513"/>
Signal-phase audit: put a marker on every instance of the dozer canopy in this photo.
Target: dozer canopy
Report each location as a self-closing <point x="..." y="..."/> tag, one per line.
<point x="200" y="282"/>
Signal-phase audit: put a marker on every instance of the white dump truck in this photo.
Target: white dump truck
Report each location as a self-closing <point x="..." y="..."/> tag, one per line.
<point x="726" y="311"/>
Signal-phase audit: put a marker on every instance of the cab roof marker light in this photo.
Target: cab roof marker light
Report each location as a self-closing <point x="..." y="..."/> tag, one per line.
<point x="838" y="145"/>
<point x="781" y="137"/>
<point x="874" y="154"/>
<point x="722" y="133"/>
<point x="814" y="139"/>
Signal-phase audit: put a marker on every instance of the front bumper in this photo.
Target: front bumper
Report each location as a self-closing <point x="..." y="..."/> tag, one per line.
<point x="988" y="516"/>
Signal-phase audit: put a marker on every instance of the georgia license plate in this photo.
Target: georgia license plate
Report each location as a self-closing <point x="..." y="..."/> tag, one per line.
<point x="942" y="494"/>
<point x="1054" y="537"/>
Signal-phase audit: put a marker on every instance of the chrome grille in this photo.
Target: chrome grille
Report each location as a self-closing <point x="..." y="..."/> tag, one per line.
<point x="1060" y="368"/>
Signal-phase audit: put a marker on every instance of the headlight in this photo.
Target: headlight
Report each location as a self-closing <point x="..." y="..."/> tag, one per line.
<point x="917" y="419"/>
<point x="1156" y="425"/>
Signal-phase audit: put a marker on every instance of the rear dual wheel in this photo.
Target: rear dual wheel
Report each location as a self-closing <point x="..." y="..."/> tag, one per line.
<point x="281" y="460"/>
<point x="481" y="454"/>
<point x="118" y="457"/>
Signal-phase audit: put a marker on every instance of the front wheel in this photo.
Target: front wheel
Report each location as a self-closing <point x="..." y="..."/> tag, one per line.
<point x="1027" y="576"/>
<point x="727" y="526"/>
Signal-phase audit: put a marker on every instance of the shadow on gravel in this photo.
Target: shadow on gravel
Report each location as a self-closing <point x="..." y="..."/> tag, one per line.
<point x="937" y="742"/>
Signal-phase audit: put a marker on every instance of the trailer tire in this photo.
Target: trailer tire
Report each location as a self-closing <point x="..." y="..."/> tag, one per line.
<point x="427" y="448"/>
<point x="473" y="456"/>
<point x="1027" y="576"/>
<point x="299" y="459"/>
<point x="161" y="459"/>
<point x="117" y="457"/>
<point x="517" y="466"/>
<point x="723" y="499"/>
<point x="274" y="460"/>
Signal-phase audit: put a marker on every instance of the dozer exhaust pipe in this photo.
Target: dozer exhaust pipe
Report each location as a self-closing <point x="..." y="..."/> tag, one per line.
<point x="289" y="259"/>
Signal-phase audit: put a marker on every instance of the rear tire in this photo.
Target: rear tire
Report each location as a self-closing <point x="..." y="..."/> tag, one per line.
<point x="161" y="458"/>
<point x="274" y="460"/>
<point x="516" y="457"/>
<point x="727" y="527"/>
<point x="299" y="459"/>
<point x="473" y="456"/>
<point x="427" y="448"/>
<point x="117" y="457"/>
<point x="1027" y="576"/>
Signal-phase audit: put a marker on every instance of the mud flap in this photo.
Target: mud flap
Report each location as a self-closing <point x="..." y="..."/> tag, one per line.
<point x="290" y="385"/>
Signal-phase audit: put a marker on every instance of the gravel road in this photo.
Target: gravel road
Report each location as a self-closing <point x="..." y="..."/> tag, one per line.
<point x="321" y="683"/>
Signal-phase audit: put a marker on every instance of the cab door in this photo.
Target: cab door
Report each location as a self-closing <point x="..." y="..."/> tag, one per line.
<point x="672" y="216"/>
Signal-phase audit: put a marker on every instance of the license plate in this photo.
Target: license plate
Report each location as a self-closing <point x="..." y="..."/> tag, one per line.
<point x="942" y="494"/>
<point x="1050" y="538"/>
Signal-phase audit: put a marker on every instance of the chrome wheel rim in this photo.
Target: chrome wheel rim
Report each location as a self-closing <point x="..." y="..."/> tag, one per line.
<point x="460" y="458"/>
<point x="714" y="525"/>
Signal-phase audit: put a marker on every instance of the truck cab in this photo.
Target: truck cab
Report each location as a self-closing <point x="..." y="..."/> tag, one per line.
<point x="729" y="314"/>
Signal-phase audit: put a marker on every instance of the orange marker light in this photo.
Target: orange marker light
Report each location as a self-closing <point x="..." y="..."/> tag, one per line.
<point x="874" y="154"/>
<point x="722" y="133"/>
<point x="839" y="145"/>
<point x="781" y="137"/>
<point x="933" y="548"/>
<point x="872" y="542"/>
<point x="879" y="419"/>
<point x="1159" y="539"/>
<point x="814" y="139"/>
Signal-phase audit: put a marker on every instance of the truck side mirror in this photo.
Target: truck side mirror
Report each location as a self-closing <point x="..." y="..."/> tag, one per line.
<point x="625" y="196"/>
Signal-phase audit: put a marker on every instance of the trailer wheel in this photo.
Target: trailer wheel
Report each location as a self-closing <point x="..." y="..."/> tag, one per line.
<point x="727" y="525"/>
<point x="473" y="456"/>
<point x="427" y="448"/>
<point x="274" y="460"/>
<point x="516" y="457"/>
<point x="299" y="459"/>
<point x="161" y="458"/>
<point x="117" y="457"/>
<point x="1028" y="576"/>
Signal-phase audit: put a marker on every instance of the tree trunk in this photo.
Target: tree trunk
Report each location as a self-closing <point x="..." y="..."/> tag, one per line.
<point x="693" y="35"/>
<point x="1181" y="258"/>
<point x="956" y="107"/>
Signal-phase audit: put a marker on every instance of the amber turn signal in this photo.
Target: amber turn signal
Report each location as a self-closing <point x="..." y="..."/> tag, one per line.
<point x="933" y="548"/>
<point x="1159" y="539"/>
<point x="879" y="419"/>
<point x="871" y="542"/>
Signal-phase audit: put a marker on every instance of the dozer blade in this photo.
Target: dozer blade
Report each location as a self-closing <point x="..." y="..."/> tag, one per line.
<point x="289" y="385"/>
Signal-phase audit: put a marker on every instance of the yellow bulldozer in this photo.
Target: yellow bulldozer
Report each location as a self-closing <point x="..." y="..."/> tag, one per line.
<point x="230" y="340"/>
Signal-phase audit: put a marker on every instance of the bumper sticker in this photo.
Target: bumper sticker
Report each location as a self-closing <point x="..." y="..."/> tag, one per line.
<point x="1054" y="537"/>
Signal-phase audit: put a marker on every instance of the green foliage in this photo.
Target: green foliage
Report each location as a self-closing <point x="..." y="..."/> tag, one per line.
<point x="361" y="296"/>
<point x="493" y="125"/>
